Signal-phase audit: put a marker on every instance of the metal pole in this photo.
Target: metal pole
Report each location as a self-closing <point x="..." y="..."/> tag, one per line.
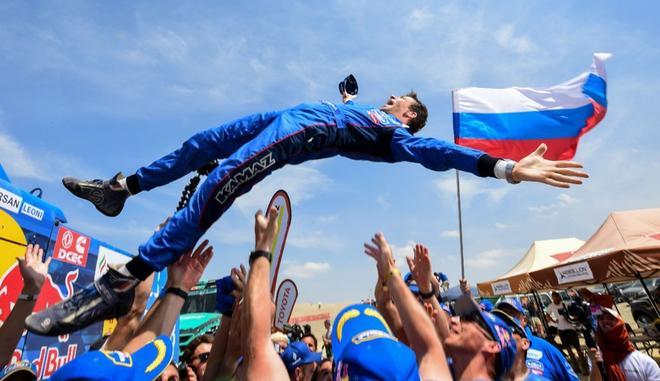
<point x="613" y="298"/>
<point x="655" y="306"/>
<point x="460" y="224"/>
<point x="539" y="305"/>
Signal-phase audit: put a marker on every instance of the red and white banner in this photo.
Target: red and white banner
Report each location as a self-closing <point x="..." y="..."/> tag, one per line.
<point x="282" y="203"/>
<point x="71" y="247"/>
<point x="287" y="294"/>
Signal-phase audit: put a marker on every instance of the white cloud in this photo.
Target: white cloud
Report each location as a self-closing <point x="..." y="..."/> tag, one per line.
<point x="18" y="161"/>
<point x="505" y="37"/>
<point x="418" y="19"/>
<point x="549" y="210"/>
<point x="450" y="233"/>
<point x="382" y="201"/>
<point x="500" y="225"/>
<point x="471" y="188"/>
<point x="316" y="240"/>
<point x="486" y="258"/>
<point x="327" y="218"/>
<point x="400" y="253"/>
<point x="305" y="270"/>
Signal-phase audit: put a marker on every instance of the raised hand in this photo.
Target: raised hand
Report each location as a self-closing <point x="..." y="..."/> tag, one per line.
<point x="186" y="272"/>
<point x="265" y="229"/>
<point x="420" y="268"/>
<point x="381" y="252"/>
<point x="534" y="167"/>
<point x="33" y="269"/>
<point x="239" y="278"/>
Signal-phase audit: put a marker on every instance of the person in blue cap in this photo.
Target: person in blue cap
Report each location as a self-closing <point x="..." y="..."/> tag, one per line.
<point x="253" y="147"/>
<point x="299" y="361"/>
<point x="543" y="359"/>
<point x="365" y="349"/>
<point x="480" y="344"/>
<point x="144" y="365"/>
<point x="519" y="370"/>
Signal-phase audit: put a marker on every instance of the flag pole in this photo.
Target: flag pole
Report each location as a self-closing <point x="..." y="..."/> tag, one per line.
<point x="460" y="224"/>
<point x="458" y="194"/>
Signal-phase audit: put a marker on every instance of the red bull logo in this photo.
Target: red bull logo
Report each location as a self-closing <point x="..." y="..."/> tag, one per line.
<point x="51" y="293"/>
<point x="50" y="359"/>
<point x="12" y="245"/>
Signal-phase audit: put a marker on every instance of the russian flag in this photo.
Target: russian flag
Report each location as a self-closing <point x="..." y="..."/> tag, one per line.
<point x="512" y="122"/>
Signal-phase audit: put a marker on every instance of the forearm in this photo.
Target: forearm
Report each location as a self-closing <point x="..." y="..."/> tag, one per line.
<point x="12" y="329"/>
<point x="262" y="361"/>
<point x="419" y="330"/>
<point x="215" y="368"/>
<point x="160" y="320"/>
<point x="128" y="324"/>
<point x="386" y="308"/>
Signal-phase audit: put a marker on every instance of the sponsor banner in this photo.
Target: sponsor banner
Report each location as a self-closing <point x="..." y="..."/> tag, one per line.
<point x="308" y="318"/>
<point x="501" y="287"/>
<point x="9" y="200"/>
<point x="287" y="294"/>
<point x="574" y="273"/>
<point x="71" y="247"/>
<point x="32" y="211"/>
<point x="282" y="203"/>
<point x="108" y="257"/>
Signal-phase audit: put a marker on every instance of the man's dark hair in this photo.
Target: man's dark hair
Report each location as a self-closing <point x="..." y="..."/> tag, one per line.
<point x="417" y="123"/>
<point x="190" y="348"/>
<point x="316" y="343"/>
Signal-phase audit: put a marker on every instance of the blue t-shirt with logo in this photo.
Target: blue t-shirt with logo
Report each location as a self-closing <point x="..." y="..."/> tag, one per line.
<point x="546" y="362"/>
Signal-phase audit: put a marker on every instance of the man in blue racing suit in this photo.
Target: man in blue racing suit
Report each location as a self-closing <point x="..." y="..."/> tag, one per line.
<point x="252" y="148"/>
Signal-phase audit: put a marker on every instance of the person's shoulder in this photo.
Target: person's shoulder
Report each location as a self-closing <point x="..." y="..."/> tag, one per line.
<point x="544" y="346"/>
<point x="639" y="357"/>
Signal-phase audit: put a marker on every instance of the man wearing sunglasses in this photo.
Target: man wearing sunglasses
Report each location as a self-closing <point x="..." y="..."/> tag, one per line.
<point x="543" y="358"/>
<point x="480" y="344"/>
<point x="196" y="354"/>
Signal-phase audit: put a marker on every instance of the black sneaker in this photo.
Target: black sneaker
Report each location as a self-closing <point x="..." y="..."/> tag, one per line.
<point x="109" y="297"/>
<point x="108" y="196"/>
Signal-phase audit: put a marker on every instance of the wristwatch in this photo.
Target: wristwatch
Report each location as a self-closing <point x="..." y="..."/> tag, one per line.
<point x="260" y="253"/>
<point x="509" y="172"/>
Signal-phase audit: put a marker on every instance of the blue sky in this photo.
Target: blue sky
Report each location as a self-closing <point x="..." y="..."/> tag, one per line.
<point x="91" y="88"/>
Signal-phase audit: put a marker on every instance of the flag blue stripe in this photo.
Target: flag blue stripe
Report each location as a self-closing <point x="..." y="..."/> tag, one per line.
<point x="596" y="88"/>
<point x="547" y="124"/>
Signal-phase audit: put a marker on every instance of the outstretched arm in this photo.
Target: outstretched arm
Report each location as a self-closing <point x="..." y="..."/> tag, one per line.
<point x="419" y="329"/>
<point x="440" y="155"/>
<point x="33" y="270"/>
<point x="262" y="361"/>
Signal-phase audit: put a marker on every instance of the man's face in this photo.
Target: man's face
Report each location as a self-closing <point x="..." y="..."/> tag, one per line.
<point x="398" y="106"/>
<point x="606" y="322"/>
<point x="309" y="342"/>
<point x="465" y="337"/>
<point x="199" y="359"/>
<point x="511" y="311"/>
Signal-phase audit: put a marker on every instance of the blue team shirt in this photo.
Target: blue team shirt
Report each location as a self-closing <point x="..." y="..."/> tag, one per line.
<point x="546" y="362"/>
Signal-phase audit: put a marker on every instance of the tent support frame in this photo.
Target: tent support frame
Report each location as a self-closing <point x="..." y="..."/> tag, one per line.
<point x="648" y="294"/>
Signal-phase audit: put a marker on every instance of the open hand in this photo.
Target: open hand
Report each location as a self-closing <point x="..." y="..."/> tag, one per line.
<point x="238" y="277"/>
<point x="534" y="167"/>
<point x="33" y="269"/>
<point x="186" y="272"/>
<point x="420" y="268"/>
<point x="381" y="252"/>
<point x="265" y="229"/>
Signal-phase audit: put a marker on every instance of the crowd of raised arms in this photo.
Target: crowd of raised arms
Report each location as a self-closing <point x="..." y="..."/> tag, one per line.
<point x="406" y="333"/>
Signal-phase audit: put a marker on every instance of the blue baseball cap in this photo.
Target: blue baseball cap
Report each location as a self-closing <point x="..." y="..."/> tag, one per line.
<point x="297" y="354"/>
<point x="465" y="306"/>
<point x="513" y="302"/>
<point x="513" y="323"/>
<point x="21" y="370"/>
<point x="486" y="305"/>
<point x="365" y="349"/>
<point x="408" y="280"/>
<point x="146" y="364"/>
